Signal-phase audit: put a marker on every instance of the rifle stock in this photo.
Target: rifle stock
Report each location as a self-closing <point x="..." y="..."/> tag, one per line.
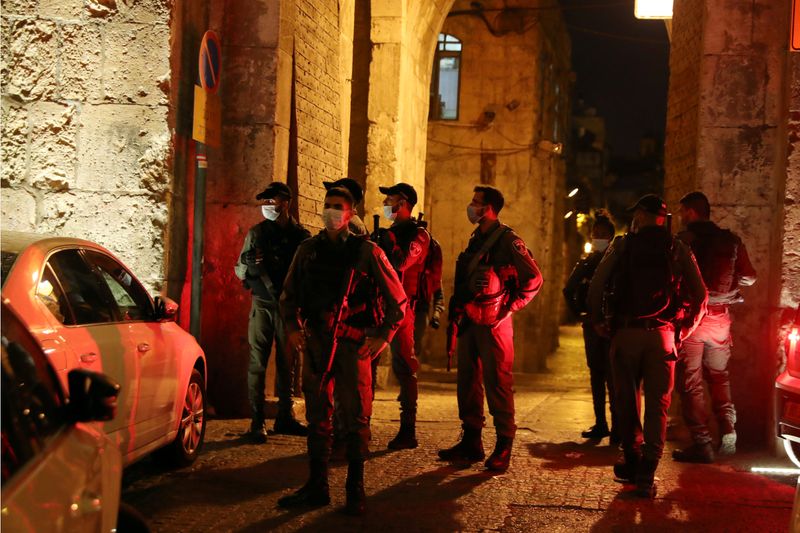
<point x="337" y="321"/>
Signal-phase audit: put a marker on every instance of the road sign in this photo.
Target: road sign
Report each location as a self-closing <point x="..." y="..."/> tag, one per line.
<point x="207" y="121"/>
<point x="210" y="62"/>
<point x="794" y="38"/>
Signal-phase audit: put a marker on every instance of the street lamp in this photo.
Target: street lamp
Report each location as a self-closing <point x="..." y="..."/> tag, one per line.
<point x="653" y="9"/>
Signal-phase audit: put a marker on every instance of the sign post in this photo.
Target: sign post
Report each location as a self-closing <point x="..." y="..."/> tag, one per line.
<point x="206" y="131"/>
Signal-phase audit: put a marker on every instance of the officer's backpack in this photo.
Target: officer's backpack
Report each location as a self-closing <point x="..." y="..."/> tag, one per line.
<point x="644" y="284"/>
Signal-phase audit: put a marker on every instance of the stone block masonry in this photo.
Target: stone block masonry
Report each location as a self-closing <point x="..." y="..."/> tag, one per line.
<point x="86" y="146"/>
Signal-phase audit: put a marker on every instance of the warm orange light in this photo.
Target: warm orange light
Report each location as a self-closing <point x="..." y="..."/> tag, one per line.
<point x="653" y="9"/>
<point x="587" y="248"/>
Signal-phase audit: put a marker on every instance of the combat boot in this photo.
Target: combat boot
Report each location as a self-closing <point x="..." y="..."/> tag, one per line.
<point x="696" y="453"/>
<point x="287" y="424"/>
<point x="645" y="478"/>
<point x="469" y="448"/>
<point x="727" y="445"/>
<point x="354" y="489"/>
<point x="625" y="468"/>
<point x="257" y="432"/>
<point x="501" y="456"/>
<point x="406" y="438"/>
<point x="314" y="493"/>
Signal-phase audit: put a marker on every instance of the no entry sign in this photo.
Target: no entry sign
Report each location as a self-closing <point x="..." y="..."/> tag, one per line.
<point x="210" y="62"/>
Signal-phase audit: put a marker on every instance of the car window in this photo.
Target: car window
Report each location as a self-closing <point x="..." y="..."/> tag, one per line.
<point x="7" y="260"/>
<point x="49" y="291"/>
<point x="82" y="289"/>
<point x="131" y="298"/>
<point x="32" y="407"/>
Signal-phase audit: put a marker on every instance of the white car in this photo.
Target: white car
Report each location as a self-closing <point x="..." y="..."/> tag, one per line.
<point x="87" y="310"/>
<point x="60" y="472"/>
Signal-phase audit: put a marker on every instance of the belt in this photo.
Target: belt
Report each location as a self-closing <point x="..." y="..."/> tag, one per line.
<point x="717" y="309"/>
<point x="642" y="323"/>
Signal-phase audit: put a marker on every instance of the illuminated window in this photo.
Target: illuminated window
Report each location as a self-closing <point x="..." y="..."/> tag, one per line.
<point x="445" y="79"/>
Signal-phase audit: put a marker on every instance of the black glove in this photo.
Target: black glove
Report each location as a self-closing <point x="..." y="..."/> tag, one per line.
<point x="251" y="257"/>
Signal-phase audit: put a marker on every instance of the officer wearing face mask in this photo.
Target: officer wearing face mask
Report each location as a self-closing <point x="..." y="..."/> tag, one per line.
<point x="576" y="293"/>
<point x="495" y="276"/>
<point x="330" y="269"/>
<point x="356" y="226"/>
<point x="266" y="255"/>
<point x="406" y="245"/>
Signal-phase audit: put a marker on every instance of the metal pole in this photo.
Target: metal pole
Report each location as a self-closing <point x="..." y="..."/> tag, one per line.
<point x="197" y="240"/>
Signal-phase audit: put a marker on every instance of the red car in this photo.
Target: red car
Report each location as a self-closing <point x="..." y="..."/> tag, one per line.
<point x="787" y="394"/>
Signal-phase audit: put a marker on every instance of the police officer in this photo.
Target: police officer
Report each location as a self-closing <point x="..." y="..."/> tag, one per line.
<point x="266" y="255"/>
<point x="576" y="293"/>
<point x="725" y="266"/>
<point x="333" y="291"/>
<point x="357" y="226"/>
<point x="406" y="245"/>
<point x="644" y="270"/>
<point x="430" y="301"/>
<point x="495" y="276"/>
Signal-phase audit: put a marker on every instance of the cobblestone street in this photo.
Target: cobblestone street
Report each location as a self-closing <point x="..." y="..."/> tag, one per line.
<point x="557" y="481"/>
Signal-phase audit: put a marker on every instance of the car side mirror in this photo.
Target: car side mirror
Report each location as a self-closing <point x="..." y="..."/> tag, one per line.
<point x="92" y="396"/>
<point x="166" y="309"/>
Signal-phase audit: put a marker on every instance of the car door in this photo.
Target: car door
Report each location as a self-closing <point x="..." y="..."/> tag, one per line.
<point x="56" y="475"/>
<point x="88" y="323"/>
<point x="157" y="364"/>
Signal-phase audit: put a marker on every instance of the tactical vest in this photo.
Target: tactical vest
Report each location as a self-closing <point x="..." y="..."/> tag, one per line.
<point x="326" y="271"/>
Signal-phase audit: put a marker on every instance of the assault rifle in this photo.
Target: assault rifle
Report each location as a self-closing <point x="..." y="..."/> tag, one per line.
<point x="337" y="323"/>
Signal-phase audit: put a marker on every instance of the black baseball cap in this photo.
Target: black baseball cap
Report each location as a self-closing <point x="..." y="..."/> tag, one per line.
<point x="650" y="203"/>
<point x="403" y="189"/>
<point x="276" y="188"/>
<point x="348" y="183"/>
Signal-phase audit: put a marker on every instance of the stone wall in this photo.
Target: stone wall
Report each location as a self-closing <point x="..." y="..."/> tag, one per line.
<point x="790" y="271"/>
<point x="736" y="155"/>
<point x="503" y="152"/>
<point x="86" y="146"/>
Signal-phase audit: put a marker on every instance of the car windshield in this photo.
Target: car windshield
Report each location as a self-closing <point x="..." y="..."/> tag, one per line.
<point x="7" y="259"/>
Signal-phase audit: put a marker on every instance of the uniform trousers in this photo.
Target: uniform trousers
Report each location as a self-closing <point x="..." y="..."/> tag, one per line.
<point x="405" y="366"/>
<point x="643" y="358"/>
<point x="350" y="385"/>
<point x="485" y="362"/>
<point x="264" y="327"/>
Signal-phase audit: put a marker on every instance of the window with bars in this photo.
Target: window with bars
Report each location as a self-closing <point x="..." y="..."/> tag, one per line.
<point x="445" y="79"/>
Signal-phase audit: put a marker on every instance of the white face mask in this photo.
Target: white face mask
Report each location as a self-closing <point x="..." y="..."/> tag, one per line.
<point x="388" y="213"/>
<point x="599" y="245"/>
<point x="473" y="215"/>
<point x="334" y="219"/>
<point x="270" y="212"/>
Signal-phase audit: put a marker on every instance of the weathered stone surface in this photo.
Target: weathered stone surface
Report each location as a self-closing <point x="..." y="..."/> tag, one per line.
<point x="61" y="9"/>
<point x="14" y="144"/>
<point x="29" y="58"/>
<point x="20" y="7"/>
<point x="251" y="68"/>
<point x="53" y="146"/>
<point x="245" y="164"/>
<point x="136" y="58"/>
<point x="81" y="62"/>
<point x="735" y="92"/>
<point x="113" y="139"/>
<point x="253" y="23"/>
<point x="734" y="35"/>
<point x="18" y="208"/>
<point x="131" y="226"/>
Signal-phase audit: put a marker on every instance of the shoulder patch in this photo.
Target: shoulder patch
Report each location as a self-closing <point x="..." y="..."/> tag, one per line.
<point x="519" y="246"/>
<point x="414" y="249"/>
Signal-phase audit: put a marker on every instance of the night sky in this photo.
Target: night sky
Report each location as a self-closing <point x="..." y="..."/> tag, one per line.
<point x="622" y="68"/>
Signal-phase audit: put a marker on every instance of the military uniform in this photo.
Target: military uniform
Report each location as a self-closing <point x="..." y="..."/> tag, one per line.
<point x="313" y="289"/>
<point x="486" y="351"/>
<point x="643" y="350"/>
<point x="430" y="302"/>
<point x="725" y="266"/>
<point x="265" y="281"/>
<point x="597" y="348"/>
<point x="407" y="256"/>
